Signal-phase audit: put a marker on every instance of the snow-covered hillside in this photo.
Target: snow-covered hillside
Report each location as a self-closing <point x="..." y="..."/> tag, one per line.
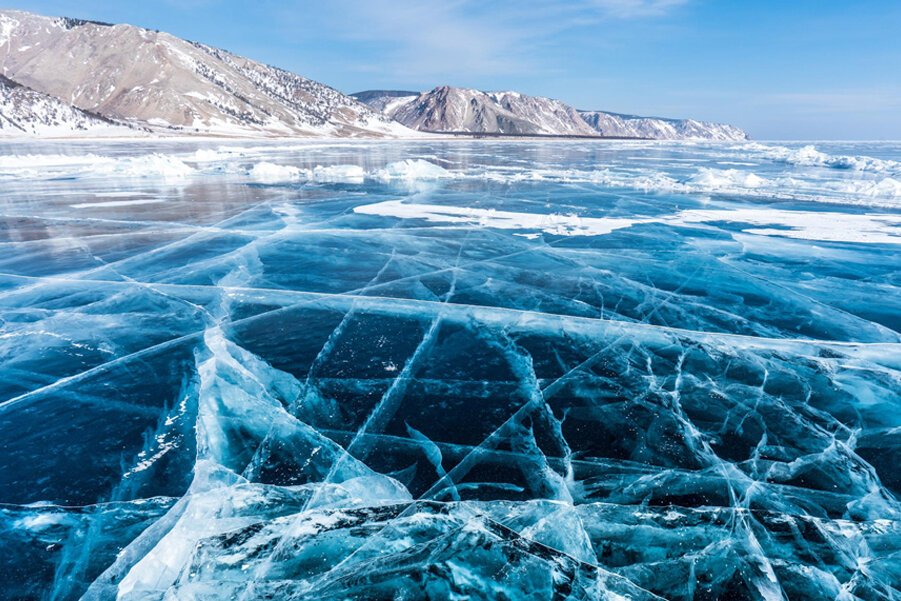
<point x="25" y="112"/>
<point x="154" y="78"/>
<point x="385" y="100"/>
<point x="549" y="115"/>
<point x="614" y="124"/>
<point x="448" y="109"/>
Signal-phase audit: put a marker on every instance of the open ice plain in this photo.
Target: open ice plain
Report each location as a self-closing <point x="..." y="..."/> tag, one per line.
<point x="459" y="370"/>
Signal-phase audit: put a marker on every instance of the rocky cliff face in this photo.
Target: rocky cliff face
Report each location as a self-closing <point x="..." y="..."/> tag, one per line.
<point x="154" y="78"/>
<point x="447" y="109"/>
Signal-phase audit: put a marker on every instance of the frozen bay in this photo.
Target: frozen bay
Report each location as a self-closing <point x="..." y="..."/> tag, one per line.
<point x="467" y="369"/>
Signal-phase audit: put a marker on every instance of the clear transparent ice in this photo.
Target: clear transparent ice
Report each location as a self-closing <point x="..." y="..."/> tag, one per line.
<point x="230" y="382"/>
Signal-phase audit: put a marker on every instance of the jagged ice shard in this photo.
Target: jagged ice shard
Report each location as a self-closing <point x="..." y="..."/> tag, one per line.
<point x="465" y="370"/>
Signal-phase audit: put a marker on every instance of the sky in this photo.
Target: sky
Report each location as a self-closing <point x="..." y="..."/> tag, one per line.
<point x="780" y="69"/>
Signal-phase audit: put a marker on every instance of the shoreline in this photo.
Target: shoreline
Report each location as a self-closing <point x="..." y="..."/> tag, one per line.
<point x="425" y="137"/>
<point x="428" y="137"/>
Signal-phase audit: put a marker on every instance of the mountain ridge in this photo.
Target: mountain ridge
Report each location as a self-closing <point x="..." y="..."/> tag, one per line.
<point x="80" y="72"/>
<point x="173" y="85"/>
<point x="464" y="110"/>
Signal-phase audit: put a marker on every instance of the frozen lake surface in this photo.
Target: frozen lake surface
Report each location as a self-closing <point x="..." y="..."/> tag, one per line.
<point x="450" y="370"/>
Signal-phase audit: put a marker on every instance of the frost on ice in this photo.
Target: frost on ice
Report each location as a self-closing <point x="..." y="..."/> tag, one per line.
<point x="274" y="384"/>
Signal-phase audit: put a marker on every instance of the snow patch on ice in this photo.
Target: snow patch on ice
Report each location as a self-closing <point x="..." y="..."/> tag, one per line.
<point x="805" y="225"/>
<point x="118" y="203"/>
<point x="808" y="225"/>
<point x="552" y="223"/>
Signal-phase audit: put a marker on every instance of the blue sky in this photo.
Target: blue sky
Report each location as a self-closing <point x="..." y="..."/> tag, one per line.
<point x="782" y="69"/>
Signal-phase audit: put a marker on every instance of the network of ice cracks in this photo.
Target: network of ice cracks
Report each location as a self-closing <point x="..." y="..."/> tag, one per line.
<point x="277" y="397"/>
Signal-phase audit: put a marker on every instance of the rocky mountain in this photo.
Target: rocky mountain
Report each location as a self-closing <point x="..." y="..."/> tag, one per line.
<point x="150" y="77"/>
<point x="448" y="109"/>
<point x="26" y="112"/>
<point x="384" y="100"/>
<point x="552" y="116"/>
<point x="659" y="128"/>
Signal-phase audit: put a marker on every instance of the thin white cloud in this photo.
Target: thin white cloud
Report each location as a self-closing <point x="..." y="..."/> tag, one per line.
<point x="455" y="41"/>
<point x="632" y="9"/>
<point x="441" y="38"/>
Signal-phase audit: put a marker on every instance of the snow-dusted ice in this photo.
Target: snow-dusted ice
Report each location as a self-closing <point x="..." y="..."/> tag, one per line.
<point x="450" y="370"/>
